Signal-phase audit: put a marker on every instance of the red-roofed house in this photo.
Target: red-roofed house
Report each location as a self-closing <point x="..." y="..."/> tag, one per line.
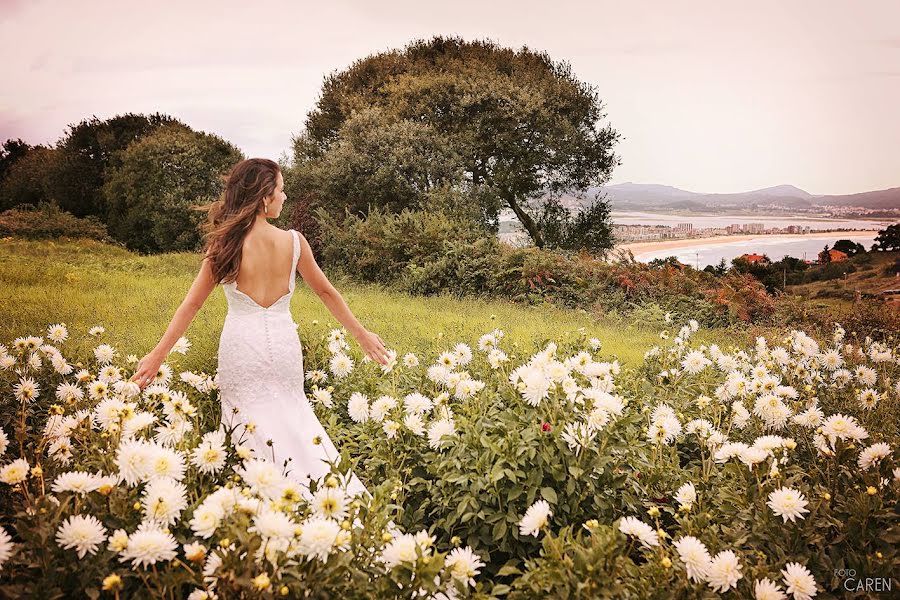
<point x="755" y="258"/>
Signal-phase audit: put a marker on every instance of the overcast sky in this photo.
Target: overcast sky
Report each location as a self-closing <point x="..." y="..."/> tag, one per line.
<point x="710" y="96"/>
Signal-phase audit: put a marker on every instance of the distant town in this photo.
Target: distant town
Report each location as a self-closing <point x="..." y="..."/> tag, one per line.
<point x="646" y="233"/>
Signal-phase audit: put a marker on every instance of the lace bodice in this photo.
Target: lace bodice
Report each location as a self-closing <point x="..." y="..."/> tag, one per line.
<point x="259" y="349"/>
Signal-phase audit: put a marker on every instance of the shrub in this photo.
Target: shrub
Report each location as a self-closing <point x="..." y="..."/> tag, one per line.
<point x="161" y="177"/>
<point x="48" y="221"/>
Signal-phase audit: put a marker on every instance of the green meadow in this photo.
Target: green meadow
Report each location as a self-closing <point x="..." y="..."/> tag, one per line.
<point x="83" y="283"/>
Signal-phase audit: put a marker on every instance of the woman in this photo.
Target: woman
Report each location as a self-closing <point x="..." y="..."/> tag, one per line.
<point x="260" y="370"/>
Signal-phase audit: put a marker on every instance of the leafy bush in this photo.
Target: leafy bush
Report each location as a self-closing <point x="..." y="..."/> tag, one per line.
<point x="161" y="178"/>
<point x="568" y="476"/>
<point x="431" y="252"/>
<point x="48" y="221"/>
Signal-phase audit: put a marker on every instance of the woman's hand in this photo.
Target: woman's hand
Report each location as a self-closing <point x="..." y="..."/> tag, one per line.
<point x="147" y="368"/>
<point x="373" y="346"/>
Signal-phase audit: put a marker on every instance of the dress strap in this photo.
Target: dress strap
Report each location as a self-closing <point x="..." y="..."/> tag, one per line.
<point x="295" y="256"/>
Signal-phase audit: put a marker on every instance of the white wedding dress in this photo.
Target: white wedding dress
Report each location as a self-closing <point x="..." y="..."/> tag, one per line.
<point x="261" y="375"/>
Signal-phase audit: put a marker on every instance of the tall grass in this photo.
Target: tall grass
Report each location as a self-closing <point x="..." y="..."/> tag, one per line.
<point x="84" y="283"/>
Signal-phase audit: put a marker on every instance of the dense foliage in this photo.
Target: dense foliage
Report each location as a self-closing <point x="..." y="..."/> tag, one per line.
<point x="527" y="474"/>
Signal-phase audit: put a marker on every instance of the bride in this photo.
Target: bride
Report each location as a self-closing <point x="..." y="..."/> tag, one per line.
<point x="260" y="364"/>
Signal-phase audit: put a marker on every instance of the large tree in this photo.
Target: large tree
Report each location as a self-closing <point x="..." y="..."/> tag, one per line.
<point x="151" y="194"/>
<point x="87" y="151"/>
<point x="522" y="126"/>
<point x="26" y="180"/>
<point x="10" y="153"/>
<point x="888" y="238"/>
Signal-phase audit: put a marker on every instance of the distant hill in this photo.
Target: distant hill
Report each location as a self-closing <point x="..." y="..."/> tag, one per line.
<point x="638" y="196"/>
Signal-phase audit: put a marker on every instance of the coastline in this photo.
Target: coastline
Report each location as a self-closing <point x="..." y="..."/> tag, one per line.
<point x="639" y="248"/>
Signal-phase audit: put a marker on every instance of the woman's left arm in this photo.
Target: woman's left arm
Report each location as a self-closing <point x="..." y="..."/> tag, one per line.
<point x="200" y="290"/>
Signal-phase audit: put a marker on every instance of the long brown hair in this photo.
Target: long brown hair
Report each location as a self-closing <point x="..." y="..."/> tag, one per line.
<point x="230" y="217"/>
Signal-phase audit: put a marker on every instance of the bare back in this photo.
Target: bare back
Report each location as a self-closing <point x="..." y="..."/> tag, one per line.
<point x="266" y="269"/>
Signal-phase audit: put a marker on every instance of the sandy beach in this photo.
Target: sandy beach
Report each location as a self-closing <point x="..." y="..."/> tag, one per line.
<point x="638" y="248"/>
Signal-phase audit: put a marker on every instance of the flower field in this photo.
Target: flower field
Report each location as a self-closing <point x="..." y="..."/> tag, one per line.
<point x="495" y="470"/>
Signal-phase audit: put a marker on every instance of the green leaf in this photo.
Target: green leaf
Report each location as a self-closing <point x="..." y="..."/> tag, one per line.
<point x="549" y="494"/>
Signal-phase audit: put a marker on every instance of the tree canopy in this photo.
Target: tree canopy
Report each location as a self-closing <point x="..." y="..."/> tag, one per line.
<point x="502" y="127"/>
<point x="150" y="194"/>
<point x="888" y="238"/>
<point x="86" y="152"/>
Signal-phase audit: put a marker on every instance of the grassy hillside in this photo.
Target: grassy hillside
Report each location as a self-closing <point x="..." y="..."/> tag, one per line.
<point x="874" y="273"/>
<point x="84" y="283"/>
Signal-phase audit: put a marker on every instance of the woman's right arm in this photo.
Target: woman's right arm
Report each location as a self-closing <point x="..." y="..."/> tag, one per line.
<point x="200" y="290"/>
<point x="370" y="342"/>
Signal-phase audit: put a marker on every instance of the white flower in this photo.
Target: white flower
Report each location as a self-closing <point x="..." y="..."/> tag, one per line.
<point x="414" y="423"/>
<point x="133" y="459"/>
<point x="447" y="359"/>
<point x="438" y="431"/>
<point x="118" y="541"/>
<point x="840" y="427"/>
<point x="6" y="547"/>
<point x="14" y="472"/>
<point x="578" y="436"/>
<point x="463" y="564"/>
<point x="84" y="533"/>
<point x="664" y="425"/>
<point x="209" y="456"/>
<point x="799" y="581"/>
<point x="767" y="589"/>
<point x="787" y="503"/>
<point x="149" y="545"/>
<point x="58" y="333"/>
<point x="400" y="549"/>
<point x="636" y="528"/>
<point x="4" y="442"/>
<point x="381" y="407"/>
<point x="866" y="375"/>
<point x="163" y="500"/>
<point x="330" y="503"/>
<point x="811" y="417"/>
<point x="358" y="407"/>
<point x="724" y="571"/>
<point x="417" y="403"/>
<point x="868" y="398"/>
<point x="318" y="537"/>
<point x="104" y="353"/>
<point x="316" y="376"/>
<point x="497" y="357"/>
<point x="341" y="365"/>
<point x="181" y="346"/>
<point x="391" y="428"/>
<point x="463" y="353"/>
<point x="535" y="518"/>
<point x="536" y="386"/>
<point x="322" y="396"/>
<point x="695" y="362"/>
<point x="410" y="360"/>
<point x="207" y="518"/>
<point x="26" y="389"/>
<point x="76" y="481"/>
<point x="96" y="330"/>
<point x="194" y="552"/>
<point x="164" y="375"/>
<point x="871" y="455"/>
<point x="686" y="494"/>
<point x="166" y="462"/>
<point x="262" y="477"/>
<point x="695" y="556"/>
<point x="271" y="524"/>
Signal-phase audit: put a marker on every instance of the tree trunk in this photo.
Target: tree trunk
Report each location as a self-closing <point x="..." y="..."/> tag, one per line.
<point x="526" y="221"/>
